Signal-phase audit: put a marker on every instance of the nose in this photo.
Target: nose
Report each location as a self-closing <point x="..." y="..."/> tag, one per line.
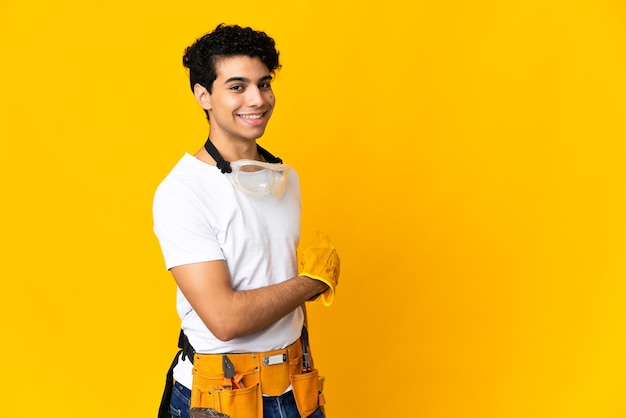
<point x="255" y="97"/>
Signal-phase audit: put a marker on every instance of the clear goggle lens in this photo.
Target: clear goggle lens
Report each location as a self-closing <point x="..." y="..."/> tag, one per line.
<point x="258" y="178"/>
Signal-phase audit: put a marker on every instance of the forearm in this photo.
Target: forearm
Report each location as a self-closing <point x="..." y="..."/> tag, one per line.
<point x="231" y="314"/>
<point x="252" y="310"/>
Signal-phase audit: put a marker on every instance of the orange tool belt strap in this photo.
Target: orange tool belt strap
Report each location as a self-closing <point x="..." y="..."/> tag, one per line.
<point x="270" y="370"/>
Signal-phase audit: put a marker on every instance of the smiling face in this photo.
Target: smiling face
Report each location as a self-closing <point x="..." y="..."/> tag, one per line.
<point x="242" y="100"/>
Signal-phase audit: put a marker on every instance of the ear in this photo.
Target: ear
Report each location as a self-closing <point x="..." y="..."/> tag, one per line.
<point x="202" y="96"/>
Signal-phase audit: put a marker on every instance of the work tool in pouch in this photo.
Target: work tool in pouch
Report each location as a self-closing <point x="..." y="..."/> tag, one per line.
<point x="308" y="386"/>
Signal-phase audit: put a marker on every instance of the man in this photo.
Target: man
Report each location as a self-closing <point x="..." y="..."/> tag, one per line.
<point x="228" y="221"/>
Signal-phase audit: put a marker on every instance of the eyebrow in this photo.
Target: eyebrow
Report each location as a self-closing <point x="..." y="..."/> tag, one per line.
<point x="247" y="80"/>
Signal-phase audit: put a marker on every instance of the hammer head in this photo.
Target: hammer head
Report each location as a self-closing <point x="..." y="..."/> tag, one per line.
<point x="205" y="413"/>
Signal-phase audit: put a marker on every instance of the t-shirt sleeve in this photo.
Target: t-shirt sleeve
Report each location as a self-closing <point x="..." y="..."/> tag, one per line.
<point x="186" y="235"/>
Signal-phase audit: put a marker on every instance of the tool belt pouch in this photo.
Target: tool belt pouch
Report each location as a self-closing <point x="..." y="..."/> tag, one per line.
<point x="208" y="392"/>
<point x="308" y="391"/>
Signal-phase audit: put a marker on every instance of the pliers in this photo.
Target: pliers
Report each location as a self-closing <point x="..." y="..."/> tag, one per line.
<point x="232" y="380"/>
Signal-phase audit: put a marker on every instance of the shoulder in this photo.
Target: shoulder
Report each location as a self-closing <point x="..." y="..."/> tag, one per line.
<point x="188" y="177"/>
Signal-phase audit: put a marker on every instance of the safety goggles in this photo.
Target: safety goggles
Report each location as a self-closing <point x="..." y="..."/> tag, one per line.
<point x="258" y="178"/>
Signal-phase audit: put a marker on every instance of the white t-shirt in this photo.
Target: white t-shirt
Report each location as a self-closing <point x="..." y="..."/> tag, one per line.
<point x="200" y="216"/>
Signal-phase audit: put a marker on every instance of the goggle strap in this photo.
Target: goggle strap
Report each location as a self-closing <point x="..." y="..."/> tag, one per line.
<point x="222" y="164"/>
<point x="268" y="156"/>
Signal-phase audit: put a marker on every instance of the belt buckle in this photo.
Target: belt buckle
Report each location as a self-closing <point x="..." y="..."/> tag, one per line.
<point x="276" y="359"/>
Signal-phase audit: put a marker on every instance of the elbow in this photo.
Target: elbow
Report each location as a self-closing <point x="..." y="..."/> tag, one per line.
<point x="227" y="323"/>
<point x="224" y="335"/>
<point x="224" y="330"/>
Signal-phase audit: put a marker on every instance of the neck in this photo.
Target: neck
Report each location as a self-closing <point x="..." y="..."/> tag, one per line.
<point x="233" y="150"/>
<point x="211" y="155"/>
<point x="230" y="150"/>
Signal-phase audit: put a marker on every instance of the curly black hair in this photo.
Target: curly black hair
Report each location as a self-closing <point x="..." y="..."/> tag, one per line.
<point x="227" y="41"/>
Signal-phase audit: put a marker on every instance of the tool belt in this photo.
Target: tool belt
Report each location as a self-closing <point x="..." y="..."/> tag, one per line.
<point x="234" y="384"/>
<point x="257" y="374"/>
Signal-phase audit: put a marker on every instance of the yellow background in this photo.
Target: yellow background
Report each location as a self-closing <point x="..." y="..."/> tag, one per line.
<point x="467" y="158"/>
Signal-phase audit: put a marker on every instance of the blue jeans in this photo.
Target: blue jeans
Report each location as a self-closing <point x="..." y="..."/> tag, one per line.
<point x="283" y="406"/>
<point x="181" y="399"/>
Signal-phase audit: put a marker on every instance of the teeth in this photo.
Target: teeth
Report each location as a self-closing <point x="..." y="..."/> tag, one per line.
<point x="251" y="116"/>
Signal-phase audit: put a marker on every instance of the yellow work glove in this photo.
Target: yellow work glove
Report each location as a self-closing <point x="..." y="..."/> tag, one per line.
<point x="322" y="263"/>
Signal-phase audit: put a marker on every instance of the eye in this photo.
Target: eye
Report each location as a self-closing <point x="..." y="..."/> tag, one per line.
<point x="265" y="86"/>
<point x="236" y="87"/>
